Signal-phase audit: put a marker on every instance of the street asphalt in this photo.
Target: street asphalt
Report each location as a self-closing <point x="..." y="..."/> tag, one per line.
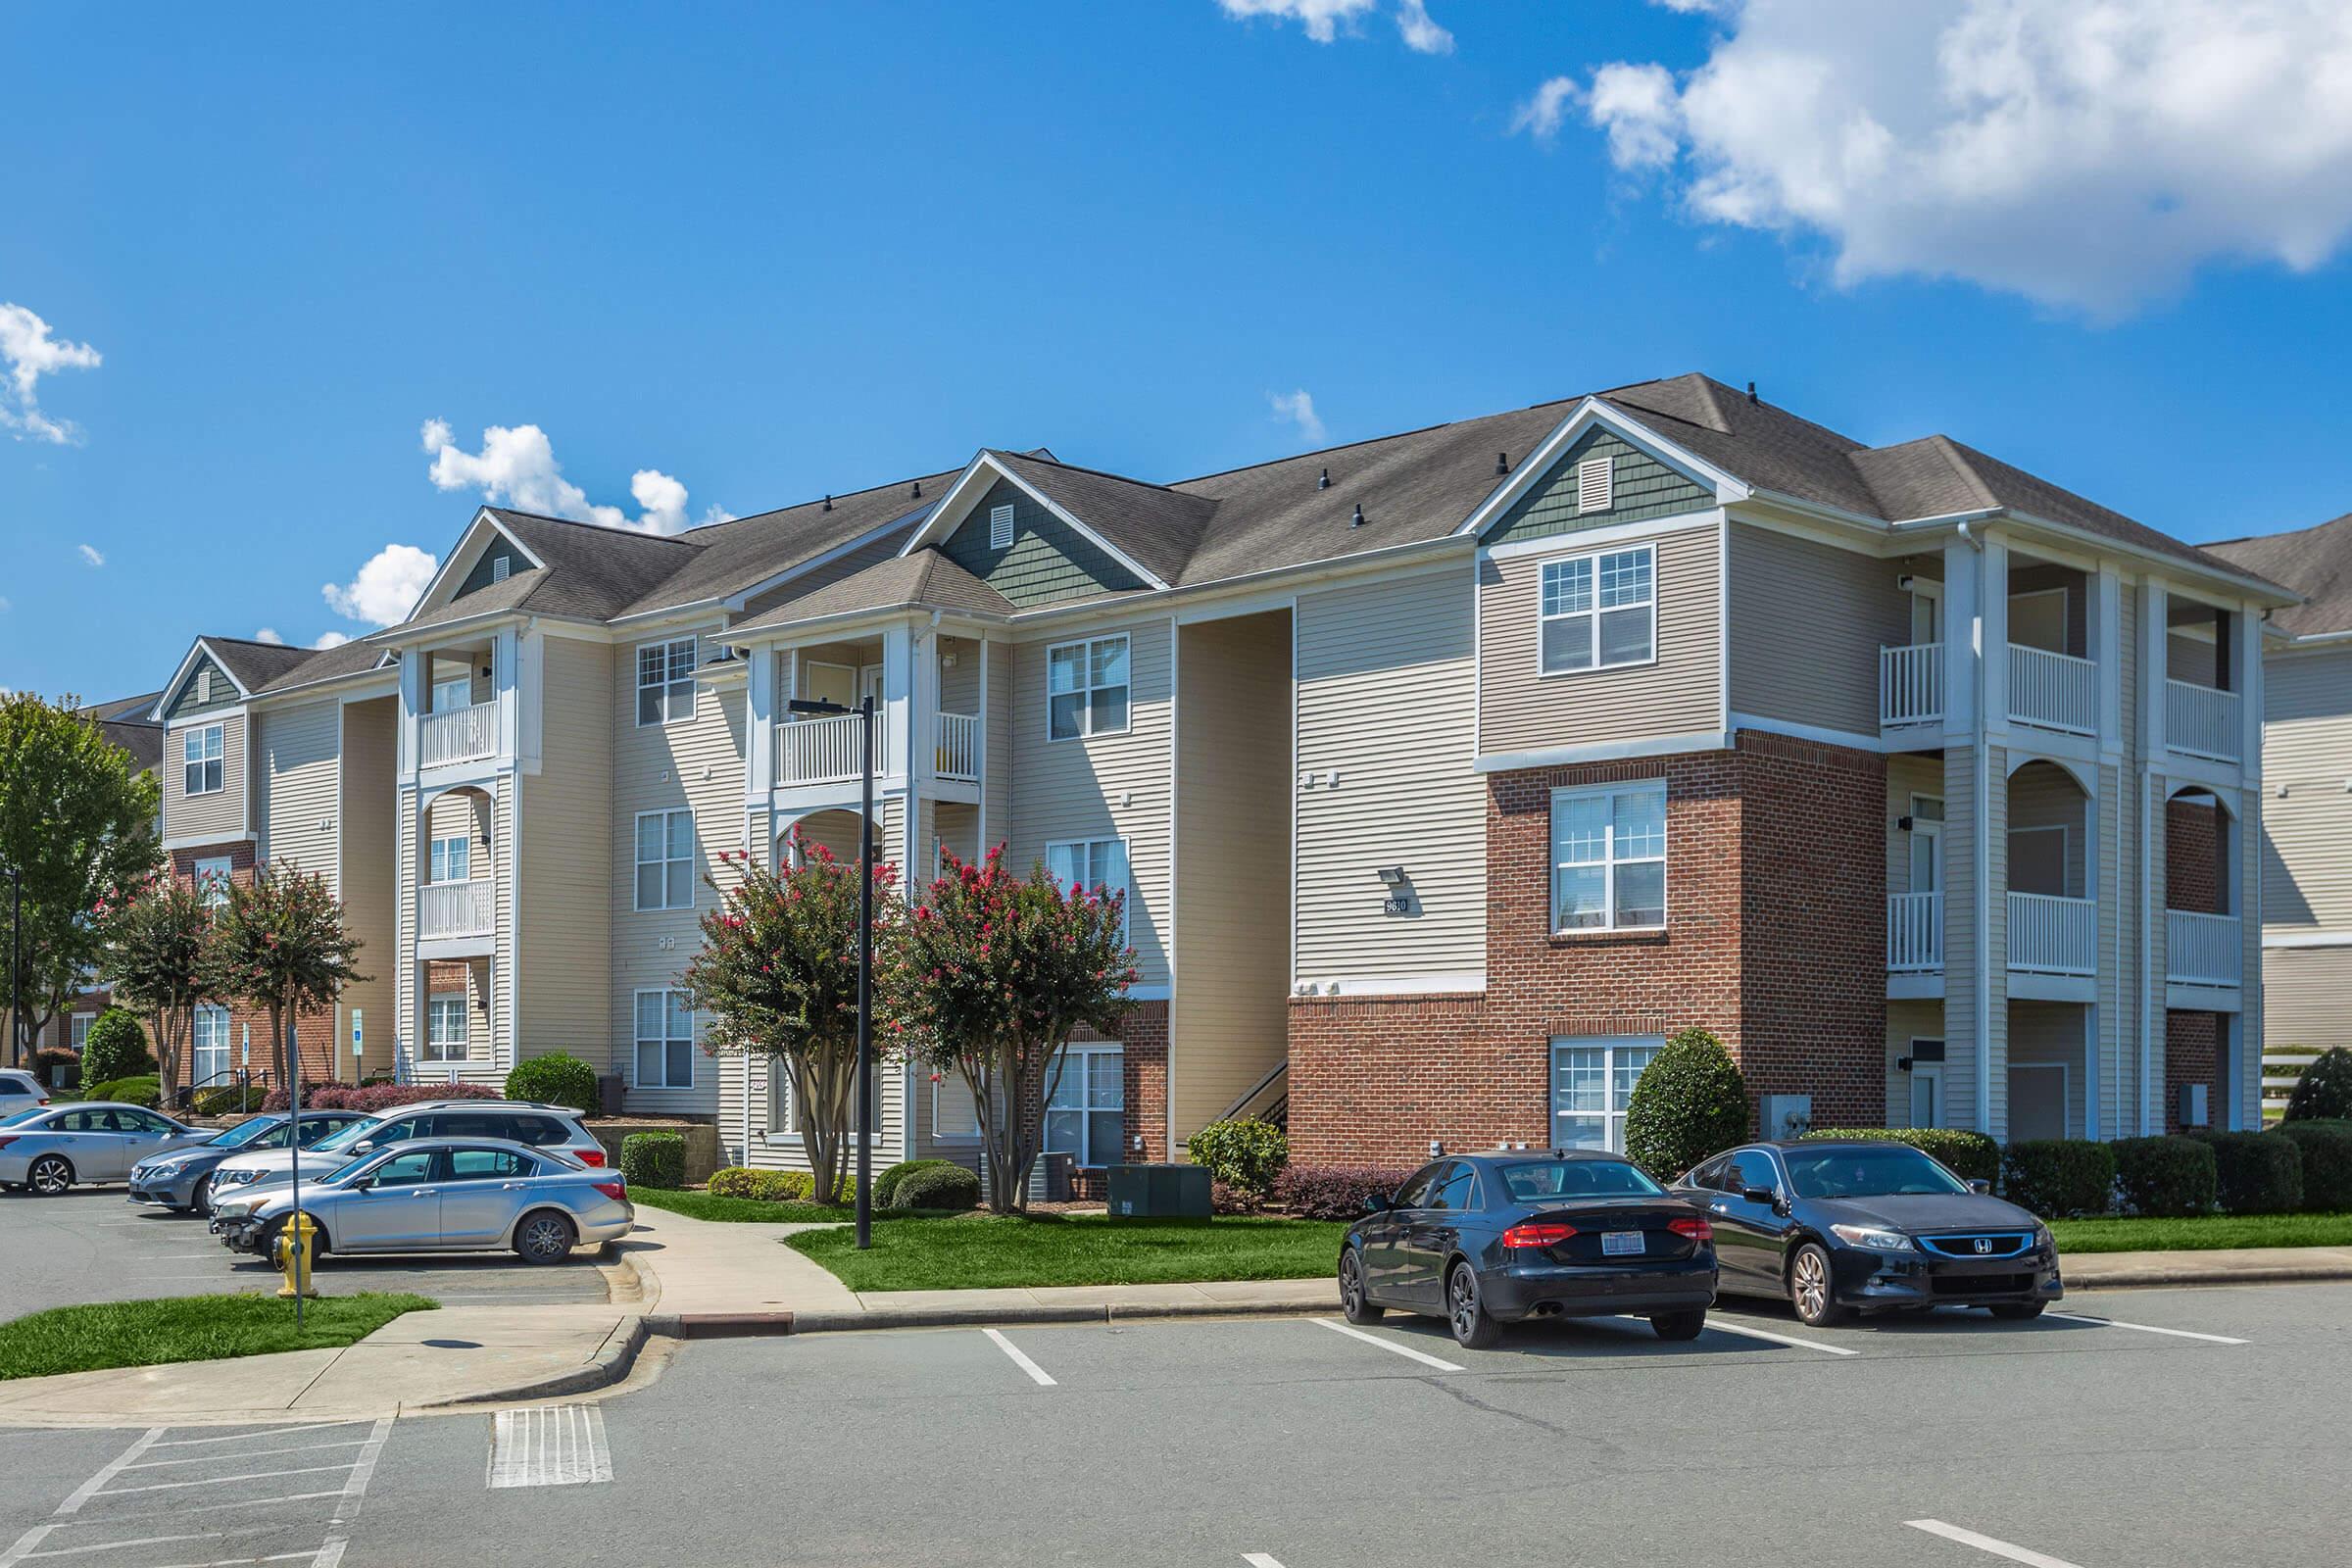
<point x="2148" y="1427"/>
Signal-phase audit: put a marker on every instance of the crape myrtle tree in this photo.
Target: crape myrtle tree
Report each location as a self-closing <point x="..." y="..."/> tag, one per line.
<point x="154" y="958"/>
<point x="991" y="976"/>
<point x="776" y="977"/>
<point x="281" y="945"/>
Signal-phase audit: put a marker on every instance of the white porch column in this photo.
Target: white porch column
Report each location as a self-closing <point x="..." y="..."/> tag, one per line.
<point x="1993" y="620"/>
<point x="1960" y="638"/>
<point x="898" y="696"/>
<point x="761" y="702"/>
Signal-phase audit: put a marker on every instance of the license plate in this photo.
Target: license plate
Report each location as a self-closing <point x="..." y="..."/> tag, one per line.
<point x="1617" y="1244"/>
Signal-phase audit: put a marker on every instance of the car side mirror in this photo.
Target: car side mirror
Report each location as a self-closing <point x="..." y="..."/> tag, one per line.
<point x="1760" y="1195"/>
<point x="361" y="1184"/>
<point x="1978" y="1184"/>
<point x="1377" y="1203"/>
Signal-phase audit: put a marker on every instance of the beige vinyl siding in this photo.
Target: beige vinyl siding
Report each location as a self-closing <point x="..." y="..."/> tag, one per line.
<point x="1807" y="622"/>
<point x="1907" y="776"/>
<point x="2307" y="779"/>
<point x="1229" y="1022"/>
<point x="298" y="760"/>
<point x="1641" y="487"/>
<point x="367" y="861"/>
<point x="1384" y="702"/>
<point x="1101" y="786"/>
<point x="216" y="813"/>
<point x="408" y="870"/>
<point x="2052" y="1033"/>
<point x="2044" y="795"/>
<point x="1962" y="952"/>
<point x="1907" y="1021"/>
<point x="564" y="967"/>
<point x="2189" y="658"/>
<point x="958" y="682"/>
<point x="1000" y="745"/>
<point x="2304" y="990"/>
<point x="1522" y="710"/>
<point x="955" y="824"/>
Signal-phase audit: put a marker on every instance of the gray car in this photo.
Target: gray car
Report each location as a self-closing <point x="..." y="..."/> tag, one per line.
<point x="441" y="1195"/>
<point x="551" y="1129"/>
<point x="50" y="1149"/>
<point x="177" y="1178"/>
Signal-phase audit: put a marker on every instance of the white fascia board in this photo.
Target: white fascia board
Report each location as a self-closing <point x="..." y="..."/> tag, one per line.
<point x="356" y="679"/>
<point x="2178" y="571"/>
<point x="787" y="633"/>
<point x="1603" y="752"/>
<point x="1580" y="540"/>
<point x="198" y="649"/>
<point x="408" y="635"/>
<point x="1853" y="740"/>
<point x="210" y="715"/>
<point x="957" y="505"/>
<point x="1728" y="487"/>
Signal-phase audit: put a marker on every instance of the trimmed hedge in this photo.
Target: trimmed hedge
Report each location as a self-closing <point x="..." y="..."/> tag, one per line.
<point x="2165" y="1177"/>
<point x="558" y="1078"/>
<point x="1689" y="1103"/>
<point x="2326" y="1151"/>
<point x="2056" y="1177"/>
<point x="1243" y="1155"/>
<point x="1335" y="1192"/>
<point x="654" y="1159"/>
<point x="144" y="1090"/>
<point x="1972" y="1155"/>
<point x="116" y="1047"/>
<point x="886" y="1184"/>
<point x="947" y="1185"/>
<point x="377" y="1098"/>
<point x="764" y="1185"/>
<point x="2257" y="1173"/>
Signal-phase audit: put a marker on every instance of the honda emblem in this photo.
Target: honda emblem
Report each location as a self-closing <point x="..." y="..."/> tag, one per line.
<point x="1983" y="1243"/>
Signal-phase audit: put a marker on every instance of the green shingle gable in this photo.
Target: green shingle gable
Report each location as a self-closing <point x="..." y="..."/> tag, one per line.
<point x="1047" y="563"/>
<point x="1641" y="487"/>
<point x="183" y="702"/>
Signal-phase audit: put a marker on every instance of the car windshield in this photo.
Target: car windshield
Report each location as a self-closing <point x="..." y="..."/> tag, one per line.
<point x="1867" y="1172"/>
<point x="1543" y="1181"/>
<point x="349" y="1135"/>
<point x="245" y="1132"/>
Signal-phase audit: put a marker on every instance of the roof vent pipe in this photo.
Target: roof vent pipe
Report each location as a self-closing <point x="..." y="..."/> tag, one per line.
<point x="1502" y="462"/>
<point x="828" y="501"/>
<point x="1357" y="522"/>
<point x="1324" y="483"/>
<point x="1751" y="391"/>
<point x="918" y="487"/>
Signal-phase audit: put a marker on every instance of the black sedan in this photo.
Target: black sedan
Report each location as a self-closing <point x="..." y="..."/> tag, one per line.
<point x="1836" y="1227"/>
<point x="1487" y="1239"/>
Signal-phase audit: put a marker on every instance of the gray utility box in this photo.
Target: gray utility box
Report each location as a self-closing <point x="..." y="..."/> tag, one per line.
<point x="1159" y="1192"/>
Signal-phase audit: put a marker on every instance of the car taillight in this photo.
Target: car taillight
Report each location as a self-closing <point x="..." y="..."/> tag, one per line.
<point x="1698" y="1230"/>
<point x="614" y="1190"/>
<point x="7" y="1139"/>
<point x="1544" y="1233"/>
<point x="590" y="1157"/>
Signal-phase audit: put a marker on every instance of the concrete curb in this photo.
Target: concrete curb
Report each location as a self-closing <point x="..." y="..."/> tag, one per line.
<point x="2179" y="1274"/>
<point x="945" y="1317"/>
<point x="720" y="1325"/>
<point x="607" y="1367"/>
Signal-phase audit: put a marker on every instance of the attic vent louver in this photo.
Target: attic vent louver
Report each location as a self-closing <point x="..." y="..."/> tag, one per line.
<point x="1324" y="483"/>
<point x="1357" y="522"/>
<point x="1502" y="462"/>
<point x="999" y="527"/>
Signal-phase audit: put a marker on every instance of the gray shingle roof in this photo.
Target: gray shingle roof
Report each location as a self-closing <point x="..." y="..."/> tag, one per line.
<point x="124" y="724"/>
<point x="925" y="579"/>
<point x="254" y="665"/>
<point x="732" y="555"/>
<point x="592" y="572"/>
<point x="2315" y="562"/>
<point x="1158" y="528"/>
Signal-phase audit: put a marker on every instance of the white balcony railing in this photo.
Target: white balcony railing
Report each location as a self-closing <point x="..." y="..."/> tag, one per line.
<point x="455" y="908"/>
<point x="457" y="734"/>
<point x="2203" y="949"/>
<point x="1911" y="684"/>
<point x="2201" y="720"/>
<point x="827" y="750"/>
<point x="1914" y="932"/>
<point x="2056" y="691"/>
<point x="2053" y="936"/>
<point x="958" y="754"/>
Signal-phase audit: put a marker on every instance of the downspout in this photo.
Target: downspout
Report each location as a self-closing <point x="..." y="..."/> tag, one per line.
<point x="1983" y="854"/>
<point x="2147" y="937"/>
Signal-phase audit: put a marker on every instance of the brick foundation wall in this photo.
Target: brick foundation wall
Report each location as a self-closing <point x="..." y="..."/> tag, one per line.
<point x="2192" y="1055"/>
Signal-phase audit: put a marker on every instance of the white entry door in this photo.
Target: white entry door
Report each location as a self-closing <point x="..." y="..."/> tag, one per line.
<point x="1927" y="1091"/>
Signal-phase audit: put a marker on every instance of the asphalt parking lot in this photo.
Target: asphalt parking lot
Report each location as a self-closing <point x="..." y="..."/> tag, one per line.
<point x="2153" y="1427"/>
<point x="91" y="1244"/>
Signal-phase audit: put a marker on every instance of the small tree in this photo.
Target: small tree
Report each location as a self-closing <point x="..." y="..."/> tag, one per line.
<point x="776" y="977"/>
<point x="1689" y="1103"/>
<point x="116" y="1047"/>
<point x="281" y="945"/>
<point x="2323" y="1093"/>
<point x="992" y="976"/>
<point x="154" y="959"/>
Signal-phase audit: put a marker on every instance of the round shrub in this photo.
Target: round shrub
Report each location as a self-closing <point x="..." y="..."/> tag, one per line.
<point x="556" y="1079"/>
<point x="1689" y="1103"/>
<point x="58" y="1067"/>
<point x="116" y="1047"/>
<point x="2323" y="1093"/>
<point x="886" y="1184"/>
<point x="939" y="1187"/>
<point x="2326" y="1151"/>
<point x="761" y="1186"/>
<point x="1335" y="1192"/>
<point x="1971" y="1156"/>
<point x="2056" y="1177"/>
<point x="654" y="1159"/>
<point x="144" y="1090"/>
<point x="2165" y="1177"/>
<point x="2257" y="1173"/>
<point x="1246" y="1154"/>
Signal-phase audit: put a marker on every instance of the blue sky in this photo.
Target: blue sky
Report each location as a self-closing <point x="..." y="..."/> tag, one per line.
<point x="772" y="251"/>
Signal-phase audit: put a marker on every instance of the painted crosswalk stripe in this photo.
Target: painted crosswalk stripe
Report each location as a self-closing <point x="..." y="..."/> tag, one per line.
<point x="2144" y="1328"/>
<point x="548" y="1445"/>
<point x="1037" y="1374"/>
<point x="1390" y="1345"/>
<point x="1780" y="1339"/>
<point x="1986" y="1544"/>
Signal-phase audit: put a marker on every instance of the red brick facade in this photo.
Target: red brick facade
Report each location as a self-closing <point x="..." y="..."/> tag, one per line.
<point x="1143" y="1069"/>
<point x="313" y="1034"/>
<point x="2192" y="857"/>
<point x="2192" y="1055"/>
<point x="1775" y="900"/>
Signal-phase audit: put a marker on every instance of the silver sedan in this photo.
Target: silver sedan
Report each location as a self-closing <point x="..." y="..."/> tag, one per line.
<point x="441" y="1195"/>
<point x="51" y="1149"/>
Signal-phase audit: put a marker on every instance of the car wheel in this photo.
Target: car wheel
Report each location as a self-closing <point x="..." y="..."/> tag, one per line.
<point x="51" y="1174"/>
<point x="1679" y="1325"/>
<point x="2018" y="1311"/>
<point x="544" y="1238"/>
<point x="1811" y="1287"/>
<point x="266" y="1250"/>
<point x="1473" y="1329"/>
<point x="1355" y="1303"/>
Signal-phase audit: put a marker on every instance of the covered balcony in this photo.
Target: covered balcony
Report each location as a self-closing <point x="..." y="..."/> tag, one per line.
<point x="456" y="899"/>
<point x="2201" y="716"/>
<point x="2053" y="920"/>
<point x="459" y="719"/>
<point x="2204" y="941"/>
<point x="829" y="748"/>
<point x="2053" y="683"/>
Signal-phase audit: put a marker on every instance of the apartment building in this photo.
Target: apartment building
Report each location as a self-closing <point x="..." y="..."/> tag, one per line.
<point x="1446" y="774"/>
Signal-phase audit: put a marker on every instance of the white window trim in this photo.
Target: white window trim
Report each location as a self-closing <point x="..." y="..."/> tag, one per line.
<point x="1611" y="1119"/>
<point x="78" y="1028"/>
<point x="220" y="870"/>
<point x="1084" y="848"/>
<point x="693" y="839"/>
<point x="638" y="1041"/>
<point x="1607" y="471"/>
<point x="978" y="1127"/>
<point x="1595" y="614"/>
<point x="204" y="736"/>
<point x="438" y="1052"/>
<point x="642" y="685"/>
<point x="199" y="1022"/>
<point x="433" y="846"/>
<point x="1610" y="860"/>
<point x="999" y="527"/>
<point x="1073" y="1060"/>
<point x="1086" y="660"/>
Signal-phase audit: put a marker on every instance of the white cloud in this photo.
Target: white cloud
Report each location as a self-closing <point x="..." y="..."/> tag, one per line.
<point x="2089" y="154"/>
<point x="516" y="467"/>
<point x="1324" y="20"/>
<point x="332" y="639"/>
<point x="91" y="555"/>
<point x="1421" y="35"/>
<point x="1541" y="116"/>
<point x="269" y="635"/>
<point x="28" y="352"/>
<point x="1299" y="407"/>
<point x="385" y="588"/>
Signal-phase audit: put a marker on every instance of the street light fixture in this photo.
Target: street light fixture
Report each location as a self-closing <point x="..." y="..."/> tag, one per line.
<point x="865" y="948"/>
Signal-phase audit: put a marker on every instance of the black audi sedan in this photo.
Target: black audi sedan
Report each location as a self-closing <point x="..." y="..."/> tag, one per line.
<point x="1836" y="1227"/>
<point x="1485" y="1240"/>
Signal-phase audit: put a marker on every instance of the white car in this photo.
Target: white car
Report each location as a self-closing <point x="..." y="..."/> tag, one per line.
<point x="20" y="1091"/>
<point x="50" y="1148"/>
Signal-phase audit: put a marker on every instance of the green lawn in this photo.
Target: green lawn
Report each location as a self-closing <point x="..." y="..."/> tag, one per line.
<point x="745" y="1210"/>
<point x="2080" y="1236"/>
<point x="188" y="1328"/>
<point x="981" y="1251"/>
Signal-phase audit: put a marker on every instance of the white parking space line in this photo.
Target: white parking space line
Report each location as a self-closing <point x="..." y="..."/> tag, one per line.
<point x="218" y="1481"/>
<point x="1037" y="1374"/>
<point x="1777" y="1337"/>
<point x="1986" y="1544"/>
<point x="259" y="1434"/>
<point x="97" y="1483"/>
<point x="550" y="1445"/>
<point x="1258" y="1560"/>
<point x="1391" y="1346"/>
<point x="256" y="1454"/>
<point x="2146" y="1328"/>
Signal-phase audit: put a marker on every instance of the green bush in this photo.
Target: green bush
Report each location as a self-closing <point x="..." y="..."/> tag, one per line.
<point x="1245" y="1154"/>
<point x="939" y="1187"/>
<point x="1972" y="1155"/>
<point x="1689" y="1103"/>
<point x="144" y="1090"/>
<point x="766" y="1186"/>
<point x="2056" y="1177"/>
<point x="229" y="1100"/>
<point x="886" y="1184"/>
<point x="2165" y="1177"/>
<point x="2326" y="1151"/>
<point x="556" y="1079"/>
<point x="654" y="1159"/>
<point x="116" y="1047"/>
<point x="2323" y="1093"/>
<point x="2257" y="1173"/>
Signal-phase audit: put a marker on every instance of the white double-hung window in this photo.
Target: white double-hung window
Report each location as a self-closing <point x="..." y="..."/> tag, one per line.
<point x="453" y="858"/>
<point x="1085" y="1114"/>
<point x="665" y="1041"/>
<point x="665" y="860"/>
<point x="212" y="878"/>
<point x="201" y="750"/>
<point x="1098" y="865"/>
<point x="1592" y="1078"/>
<point x="452" y="694"/>
<point x="1086" y="688"/>
<point x="1599" y="611"/>
<point x="207" y="1042"/>
<point x="666" y="681"/>
<point x="447" y="1036"/>
<point x="1608" y="858"/>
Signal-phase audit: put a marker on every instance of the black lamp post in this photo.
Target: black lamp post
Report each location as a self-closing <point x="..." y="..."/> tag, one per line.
<point x="865" y="951"/>
<point x="16" y="959"/>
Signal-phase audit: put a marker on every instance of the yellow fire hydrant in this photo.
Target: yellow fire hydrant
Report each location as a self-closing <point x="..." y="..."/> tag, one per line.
<point x="294" y="1255"/>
